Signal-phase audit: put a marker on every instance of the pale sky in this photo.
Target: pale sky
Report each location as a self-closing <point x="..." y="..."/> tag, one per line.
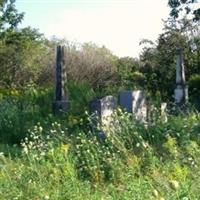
<point x="118" y="24"/>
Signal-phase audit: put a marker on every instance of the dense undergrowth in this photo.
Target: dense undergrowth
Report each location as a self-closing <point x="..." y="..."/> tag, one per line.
<point x="77" y="157"/>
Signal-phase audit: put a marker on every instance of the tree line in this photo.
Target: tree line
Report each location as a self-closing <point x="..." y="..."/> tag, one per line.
<point x="27" y="57"/>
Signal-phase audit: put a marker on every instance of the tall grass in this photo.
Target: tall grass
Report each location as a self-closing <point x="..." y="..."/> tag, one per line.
<point x="131" y="161"/>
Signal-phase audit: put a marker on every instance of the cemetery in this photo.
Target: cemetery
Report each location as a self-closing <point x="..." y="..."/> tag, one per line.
<point x="80" y="123"/>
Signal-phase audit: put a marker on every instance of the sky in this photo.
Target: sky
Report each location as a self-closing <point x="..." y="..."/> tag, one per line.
<point x="119" y="25"/>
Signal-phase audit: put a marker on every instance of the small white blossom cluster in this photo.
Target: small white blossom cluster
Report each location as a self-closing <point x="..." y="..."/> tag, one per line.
<point x="36" y="144"/>
<point x="57" y="129"/>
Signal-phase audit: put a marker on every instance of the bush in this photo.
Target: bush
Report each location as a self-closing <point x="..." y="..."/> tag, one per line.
<point x="20" y="110"/>
<point x="194" y="90"/>
<point x="194" y="85"/>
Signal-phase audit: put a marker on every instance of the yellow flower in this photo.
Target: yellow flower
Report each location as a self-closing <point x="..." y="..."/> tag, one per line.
<point x="161" y="198"/>
<point x="64" y="147"/>
<point x="74" y="121"/>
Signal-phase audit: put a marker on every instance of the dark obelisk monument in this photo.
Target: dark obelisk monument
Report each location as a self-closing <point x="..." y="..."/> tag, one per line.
<point x="181" y="91"/>
<point x="61" y="103"/>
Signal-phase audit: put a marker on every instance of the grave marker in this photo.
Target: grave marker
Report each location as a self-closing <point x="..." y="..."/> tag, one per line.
<point x="134" y="102"/>
<point x="163" y="111"/>
<point x="181" y="91"/>
<point x="61" y="103"/>
<point x="104" y="107"/>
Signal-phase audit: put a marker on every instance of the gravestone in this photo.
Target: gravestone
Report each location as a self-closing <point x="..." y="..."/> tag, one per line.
<point x="181" y="91"/>
<point x="61" y="103"/>
<point x="134" y="102"/>
<point x="103" y="107"/>
<point x="163" y="111"/>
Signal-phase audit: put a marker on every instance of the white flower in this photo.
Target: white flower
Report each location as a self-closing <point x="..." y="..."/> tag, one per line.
<point x="174" y="184"/>
<point x="161" y="198"/>
<point x="1" y="154"/>
<point x="185" y="198"/>
<point x="40" y="129"/>
<point x="42" y="153"/>
<point x="155" y="193"/>
<point x="46" y="197"/>
<point x="25" y="150"/>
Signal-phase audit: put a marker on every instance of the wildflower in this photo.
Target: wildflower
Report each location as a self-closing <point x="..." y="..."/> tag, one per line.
<point x="145" y="144"/>
<point x="185" y="198"/>
<point x="88" y="150"/>
<point x="190" y="159"/>
<point x="30" y="144"/>
<point x="74" y="121"/>
<point x="161" y="198"/>
<point x="25" y="150"/>
<point x="46" y="197"/>
<point x="192" y="163"/>
<point x="174" y="184"/>
<point x="138" y="144"/>
<point x="155" y="193"/>
<point x="86" y="112"/>
<point x="64" y="147"/>
<point x="40" y="129"/>
<point x="42" y="153"/>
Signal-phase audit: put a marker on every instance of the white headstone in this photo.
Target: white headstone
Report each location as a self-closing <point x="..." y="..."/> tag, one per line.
<point x="134" y="102"/>
<point x="104" y="107"/>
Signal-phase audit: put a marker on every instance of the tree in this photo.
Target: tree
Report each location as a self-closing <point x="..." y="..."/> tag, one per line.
<point x="128" y="75"/>
<point x="9" y="16"/>
<point x="23" y="51"/>
<point x="185" y="6"/>
<point x="158" y="60"/>
<point x="22" y="54"/>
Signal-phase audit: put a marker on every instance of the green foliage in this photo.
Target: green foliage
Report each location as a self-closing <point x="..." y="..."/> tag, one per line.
<point x="57" y="164"/>
<point x="194" y="84"/>
<point x="20" y="110"/>
<point x="9" y="16"/>
<point x="194" y="90"/>
<point x="158" y="61"/>
<point x="22" y="56"/>
<point x="80" y="95"/>
<point x="185" y="6"/>
<point x="126" y="70"/>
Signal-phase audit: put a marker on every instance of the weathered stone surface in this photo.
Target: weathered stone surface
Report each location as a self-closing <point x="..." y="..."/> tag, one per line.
<point x="61" y="103"/>
<point x="181" y="91"/>
<point x="134" y="102"/>
<point x="181" y="94"/>
<point x="163" y="111"/>
<point x="104" y="106"/>
<point x="60" y="107"/>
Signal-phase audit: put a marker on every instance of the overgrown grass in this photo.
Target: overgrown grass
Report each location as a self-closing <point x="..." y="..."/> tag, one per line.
<point x="89" y="160"/>
<point x="76" y="156"/>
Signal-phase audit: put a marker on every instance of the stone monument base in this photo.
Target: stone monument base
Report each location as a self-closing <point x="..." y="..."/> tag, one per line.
<point x="181" y="95"/>
<point x="60" y="107"/>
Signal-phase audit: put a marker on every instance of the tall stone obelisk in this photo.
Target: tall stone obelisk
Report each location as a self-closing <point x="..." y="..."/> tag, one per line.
<point x="61" y="103"/>
<point x="181" y="91"/>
